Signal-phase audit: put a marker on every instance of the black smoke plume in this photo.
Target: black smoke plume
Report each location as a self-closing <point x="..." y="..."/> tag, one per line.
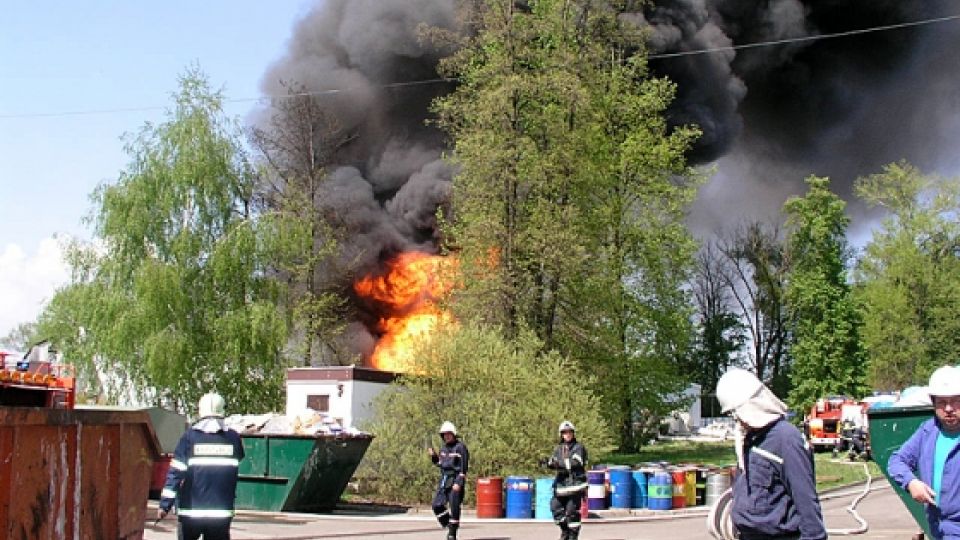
<point x="770" y="115"/>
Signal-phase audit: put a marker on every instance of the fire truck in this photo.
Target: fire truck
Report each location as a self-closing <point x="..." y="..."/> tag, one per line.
<point x="832" y="419"/>
<point x="39" y="379"/>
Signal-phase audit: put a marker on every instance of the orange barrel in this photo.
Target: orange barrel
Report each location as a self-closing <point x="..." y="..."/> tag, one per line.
<point x="690" y="486"/>
<point x="490" y="497"/>
<point x="584" y="508"/>
<point x="679" y="487"/>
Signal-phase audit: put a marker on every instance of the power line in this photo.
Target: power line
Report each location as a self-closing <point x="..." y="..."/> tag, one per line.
<point x="711" y="50"/>
<point x="806" y="38"/>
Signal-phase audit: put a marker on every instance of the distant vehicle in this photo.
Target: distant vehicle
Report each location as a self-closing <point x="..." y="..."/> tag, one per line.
<point x="39" y="379"/>
<point x="823" y="425"/>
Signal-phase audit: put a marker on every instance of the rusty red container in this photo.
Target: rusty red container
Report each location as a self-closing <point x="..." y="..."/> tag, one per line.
<point x="490" y="497"/>
<point x="86" y="473"/>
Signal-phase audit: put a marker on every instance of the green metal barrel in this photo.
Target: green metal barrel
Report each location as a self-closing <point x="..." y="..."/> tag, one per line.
<point x="297" y="473"/>
<point x="889" y="429"/>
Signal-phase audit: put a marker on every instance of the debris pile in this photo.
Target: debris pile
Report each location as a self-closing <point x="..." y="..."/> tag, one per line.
<point x="308" y="422"/>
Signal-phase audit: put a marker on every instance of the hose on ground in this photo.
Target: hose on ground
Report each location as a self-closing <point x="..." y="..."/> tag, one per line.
<point x="720" y="525"/>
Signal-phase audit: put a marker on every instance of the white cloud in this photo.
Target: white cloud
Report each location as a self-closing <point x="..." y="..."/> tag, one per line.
<point x="28" y="281"/>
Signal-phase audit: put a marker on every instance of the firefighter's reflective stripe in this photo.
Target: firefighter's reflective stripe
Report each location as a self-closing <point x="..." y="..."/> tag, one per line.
<point x="207" y="449"/>
<point x="168" y="494"/>
<point x="178" y="465"/>
<point x="213" y="461"/>
<point x="767" y="454"/>
<point x="195" y="513"/>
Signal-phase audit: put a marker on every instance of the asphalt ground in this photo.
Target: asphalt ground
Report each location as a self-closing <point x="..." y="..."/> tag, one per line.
<point x="885" y="514"/>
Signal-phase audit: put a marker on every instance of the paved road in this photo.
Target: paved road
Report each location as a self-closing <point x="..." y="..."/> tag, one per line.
<point x="887" y="517"/>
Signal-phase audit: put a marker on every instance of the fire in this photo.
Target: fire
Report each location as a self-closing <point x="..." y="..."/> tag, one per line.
<point x="406" y="296"/>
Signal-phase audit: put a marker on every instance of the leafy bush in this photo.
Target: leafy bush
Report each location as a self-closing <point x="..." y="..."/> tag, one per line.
<point x="506" y="399"/>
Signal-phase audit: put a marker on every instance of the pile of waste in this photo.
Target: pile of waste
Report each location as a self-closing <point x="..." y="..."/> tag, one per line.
<point x="308" y="422"/>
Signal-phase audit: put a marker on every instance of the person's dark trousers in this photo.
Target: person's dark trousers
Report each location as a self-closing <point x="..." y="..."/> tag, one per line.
<point x="448" y="516"/>
<point x="566" y="514"/>
<point x="210" y="529"/>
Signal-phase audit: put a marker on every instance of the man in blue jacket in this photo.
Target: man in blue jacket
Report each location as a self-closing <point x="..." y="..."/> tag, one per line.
<point x="927" y="465"/>
<point x="774" y="496"/>
<point x="202" y="481"/>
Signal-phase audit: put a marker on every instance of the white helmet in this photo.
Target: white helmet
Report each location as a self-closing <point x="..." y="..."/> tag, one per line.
<point x="566" y="425"/>
<point x="945" y="381"/>
<point x="448" y="427"/>
<point x="735" y="388"/>
<point x="211" y="405"/>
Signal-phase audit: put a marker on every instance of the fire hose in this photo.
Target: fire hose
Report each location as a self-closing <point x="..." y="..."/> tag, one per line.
<point x="720" y="525"/>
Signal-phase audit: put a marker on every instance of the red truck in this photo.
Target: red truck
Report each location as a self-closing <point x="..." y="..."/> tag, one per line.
<point x="830" y="417"/>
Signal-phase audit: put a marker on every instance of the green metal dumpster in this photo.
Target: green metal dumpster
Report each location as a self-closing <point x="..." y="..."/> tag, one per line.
<point x="889" y="429"/>
<point x="297" y="473"/>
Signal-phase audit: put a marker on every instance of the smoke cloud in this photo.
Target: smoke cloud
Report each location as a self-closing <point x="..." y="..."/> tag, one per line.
<point x="839" y="107"/>
<point x="770" y="116"/>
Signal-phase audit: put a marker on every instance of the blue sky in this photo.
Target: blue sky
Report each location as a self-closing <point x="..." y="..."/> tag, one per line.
<point x="60" y="57"/>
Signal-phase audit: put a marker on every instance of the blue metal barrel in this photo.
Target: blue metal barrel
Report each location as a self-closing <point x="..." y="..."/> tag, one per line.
<point x="660" y="491"/>
<point x="544" y="493"/>
<point x="621" y="488"/>
<point x="519" y="497"/>
<point x="639" y="479"/>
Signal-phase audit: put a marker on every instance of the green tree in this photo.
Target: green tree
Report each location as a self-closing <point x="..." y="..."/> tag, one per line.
<point x="508" y="418"/>
<point x="571" y="195"/>
<point x="827" y="353"/>
<point x="909" y="276"/>
<point x="174" y="298"/>
<point x="294" y="148"/>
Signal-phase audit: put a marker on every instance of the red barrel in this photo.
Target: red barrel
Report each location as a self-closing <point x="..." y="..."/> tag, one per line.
<point x="490" y="497"/>
<point x="679" y="491"/>
<point x="159" y="478"/>
<point x="584" y="509"/>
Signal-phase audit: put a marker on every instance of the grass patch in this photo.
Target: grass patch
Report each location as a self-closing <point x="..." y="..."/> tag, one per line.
<point x="719" y="453"/>
<point x="833" y="473"/>
<point x="830" y="473"/>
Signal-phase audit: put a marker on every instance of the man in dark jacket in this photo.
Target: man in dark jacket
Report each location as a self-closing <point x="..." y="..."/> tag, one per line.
<point x="774" y="496"/>
<point x="569" y="459"/>
<point x="928" y="464"/>
<point x="453" y="460"/>
<point x="202" y="481"/>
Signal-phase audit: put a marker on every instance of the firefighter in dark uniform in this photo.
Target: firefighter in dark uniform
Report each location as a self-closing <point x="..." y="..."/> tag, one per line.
<point x="202" y="481"/>
<point x="453" y="460"/>
<point x="569" y="459"/>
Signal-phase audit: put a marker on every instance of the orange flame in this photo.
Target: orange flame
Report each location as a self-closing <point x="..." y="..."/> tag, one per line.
<point x="406" y="295"/>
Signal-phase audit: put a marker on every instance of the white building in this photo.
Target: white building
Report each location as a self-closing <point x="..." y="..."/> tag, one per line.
<point x="344" y="393"/>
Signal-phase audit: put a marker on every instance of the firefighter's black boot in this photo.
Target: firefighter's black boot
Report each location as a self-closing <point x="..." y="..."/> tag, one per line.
<point x="444" y="519"/>
<point x="574" y="533"/>
<point x="452" y="531"/>
<point x="564" y="531"/>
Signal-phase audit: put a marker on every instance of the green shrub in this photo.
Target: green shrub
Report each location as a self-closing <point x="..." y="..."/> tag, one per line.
<point x="506" y="399"/>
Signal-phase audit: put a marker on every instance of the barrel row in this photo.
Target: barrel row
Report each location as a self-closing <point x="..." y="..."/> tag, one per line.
<point x="612" y="487"/>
